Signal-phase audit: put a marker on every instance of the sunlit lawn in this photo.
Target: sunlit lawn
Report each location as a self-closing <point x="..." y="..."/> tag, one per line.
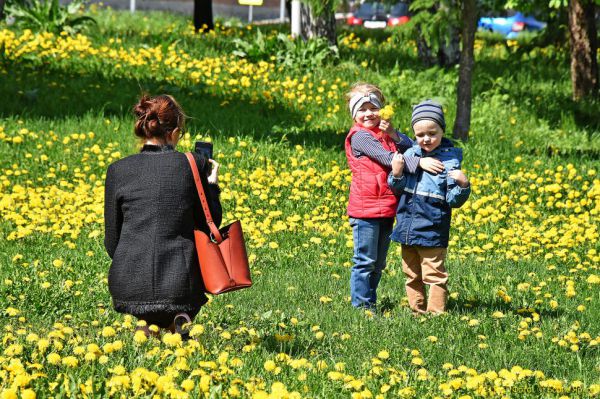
<point x="523" y="318"/>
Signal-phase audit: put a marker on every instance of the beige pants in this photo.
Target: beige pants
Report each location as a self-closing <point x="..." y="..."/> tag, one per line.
<point x="423" y="265"/>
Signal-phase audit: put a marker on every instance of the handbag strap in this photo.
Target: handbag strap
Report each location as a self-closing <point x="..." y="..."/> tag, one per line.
<point x="216" y="235"/>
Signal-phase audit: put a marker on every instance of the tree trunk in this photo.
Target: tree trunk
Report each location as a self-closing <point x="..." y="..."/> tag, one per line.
<point x="203" y="15"/>
<point x="583" y="41"/>
<point x="462" y="123"/>
<point x="313" y="26"/>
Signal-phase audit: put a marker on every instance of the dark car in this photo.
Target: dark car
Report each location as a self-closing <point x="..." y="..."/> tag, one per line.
<point x="377" y="15"/>
<point x="510" y="27"/>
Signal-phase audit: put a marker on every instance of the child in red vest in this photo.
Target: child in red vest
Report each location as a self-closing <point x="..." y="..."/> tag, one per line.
<point x="370" y="147"/>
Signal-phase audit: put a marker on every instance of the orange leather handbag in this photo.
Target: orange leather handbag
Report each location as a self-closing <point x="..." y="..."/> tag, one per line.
<point x="222" y="254"/>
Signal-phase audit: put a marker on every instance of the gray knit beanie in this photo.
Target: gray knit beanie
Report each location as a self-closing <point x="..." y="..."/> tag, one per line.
<point x="428" y="110"/>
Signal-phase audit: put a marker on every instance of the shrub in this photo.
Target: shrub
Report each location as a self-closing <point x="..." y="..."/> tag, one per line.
<point x="297" y="53"/>
<point x="288" y="52"/>
<point x="261" y="47"/>
<point x="48" y="15"/>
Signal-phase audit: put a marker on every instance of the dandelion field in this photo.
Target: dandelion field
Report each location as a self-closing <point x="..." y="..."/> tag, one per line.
<point x="523" y="315"/>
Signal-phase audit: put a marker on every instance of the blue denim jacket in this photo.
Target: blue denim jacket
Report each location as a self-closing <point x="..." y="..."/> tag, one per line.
<point x="424" y="211"/>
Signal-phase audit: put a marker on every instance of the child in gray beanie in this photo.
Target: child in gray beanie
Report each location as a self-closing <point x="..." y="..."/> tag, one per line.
<point x="424" y="210"/>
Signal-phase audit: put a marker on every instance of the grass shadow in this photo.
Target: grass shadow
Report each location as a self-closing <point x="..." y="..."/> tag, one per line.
<point x="539" y="88"/>
<point x="387" y="304"/>
<point x="294" y="347"/>
<point x="56" y="95"/>
<point x="463" y="306"/>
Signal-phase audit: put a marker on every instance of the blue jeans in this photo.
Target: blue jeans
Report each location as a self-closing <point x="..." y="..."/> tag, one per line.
<point x="371" y="242"/>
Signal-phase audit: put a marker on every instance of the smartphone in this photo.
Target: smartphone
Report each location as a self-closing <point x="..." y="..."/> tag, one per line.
<point x="205" y="148"/>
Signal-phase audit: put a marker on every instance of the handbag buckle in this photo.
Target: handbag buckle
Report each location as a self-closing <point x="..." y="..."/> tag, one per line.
<point x="223" y="236"/>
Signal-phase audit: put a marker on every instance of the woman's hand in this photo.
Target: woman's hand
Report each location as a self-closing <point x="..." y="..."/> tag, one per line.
<point x="460" y="177"/>
<point x="431" y="165"/>
<point x="397" y="165"/>
<point x="387" y="128"/>
<point x="213" y="178"/>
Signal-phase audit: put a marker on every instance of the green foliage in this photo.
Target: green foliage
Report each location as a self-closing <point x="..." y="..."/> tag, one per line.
<point x="312" y="53"/>
<point x="259" y="47"/>
<point x="433" y="21"/>
<point x="320" y="7"/>
<point x="288" y="52"/>
<point x="48" y="15"/>
<point x="558" y="3"/>
<point x="542" y="9"/>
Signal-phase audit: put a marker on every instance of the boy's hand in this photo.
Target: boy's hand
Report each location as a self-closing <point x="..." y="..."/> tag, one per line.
<point x="431" y="165"/>
<point x="387" y="128"/>
<point x="213" y="178"/>
<point x="460" y="177"/>
<point x="397" y="164"/>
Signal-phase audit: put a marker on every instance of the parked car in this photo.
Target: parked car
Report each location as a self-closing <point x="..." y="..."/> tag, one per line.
<point x="376" y="16"/>
<point x="399" y="14"/>
<point x="510" y="27"/>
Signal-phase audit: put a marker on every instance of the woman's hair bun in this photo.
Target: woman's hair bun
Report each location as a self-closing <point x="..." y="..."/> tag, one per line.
<point x="157" y="116"/>
<point x="141" y="108"/>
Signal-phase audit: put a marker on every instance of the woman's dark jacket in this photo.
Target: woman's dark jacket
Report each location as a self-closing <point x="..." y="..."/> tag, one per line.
<point x="150" y="210"/>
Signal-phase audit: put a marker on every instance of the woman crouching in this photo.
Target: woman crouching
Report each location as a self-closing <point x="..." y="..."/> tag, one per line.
<point x="151" y="209"/>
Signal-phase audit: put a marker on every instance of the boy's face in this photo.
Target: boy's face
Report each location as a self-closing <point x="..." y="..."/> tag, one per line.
<point x="368" y="116"/>
<point x="428" y="134"/>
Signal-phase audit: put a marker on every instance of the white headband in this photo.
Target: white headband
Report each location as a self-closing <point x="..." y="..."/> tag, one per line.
<point x="359" y="99"/>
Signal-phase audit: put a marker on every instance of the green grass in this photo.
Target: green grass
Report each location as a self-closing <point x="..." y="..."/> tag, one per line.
<point x="521" y="114"/>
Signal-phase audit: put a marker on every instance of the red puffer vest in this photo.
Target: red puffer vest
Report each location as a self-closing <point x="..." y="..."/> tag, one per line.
<point x="370" y="195"/>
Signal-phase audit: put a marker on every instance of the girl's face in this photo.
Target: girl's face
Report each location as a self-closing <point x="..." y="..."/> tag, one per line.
<point x="428" y="134"/>
<point x="368" y="116"/>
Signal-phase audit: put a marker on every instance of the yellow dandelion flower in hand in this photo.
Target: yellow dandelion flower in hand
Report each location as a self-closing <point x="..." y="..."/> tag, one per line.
<point x="386" y="112"/>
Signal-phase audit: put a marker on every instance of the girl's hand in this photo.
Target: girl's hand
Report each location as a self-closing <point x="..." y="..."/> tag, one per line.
<point x="213" y="178"/>
<point x="387" y="128"/>
<point x="431" y="165"/>
<point x="397" y="165"/>
<point x="460" y="177"/>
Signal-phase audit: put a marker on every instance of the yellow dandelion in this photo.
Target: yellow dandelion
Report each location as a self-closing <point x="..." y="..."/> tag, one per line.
<point x="270" y="365"/>
<point x="108" y="331"/>
<point x="387" y="112"/>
